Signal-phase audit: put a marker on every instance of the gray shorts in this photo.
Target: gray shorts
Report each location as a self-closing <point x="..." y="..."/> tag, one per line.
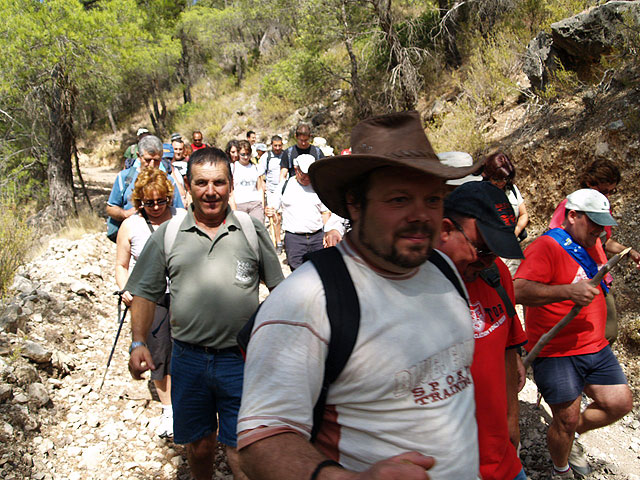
<point x="255" y="209"/>
<point x="159" y="343"/>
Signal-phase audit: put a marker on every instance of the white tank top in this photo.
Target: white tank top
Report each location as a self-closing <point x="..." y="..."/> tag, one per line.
<point x="140" y="233"/>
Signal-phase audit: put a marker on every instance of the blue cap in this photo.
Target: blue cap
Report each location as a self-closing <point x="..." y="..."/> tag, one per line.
<point x="167" y="150"/>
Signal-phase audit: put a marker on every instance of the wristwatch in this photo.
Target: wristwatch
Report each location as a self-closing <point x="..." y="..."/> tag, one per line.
<point x="135" y="345"/>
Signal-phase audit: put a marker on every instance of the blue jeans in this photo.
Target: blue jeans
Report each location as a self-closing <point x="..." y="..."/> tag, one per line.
<point x="204" y="387"/>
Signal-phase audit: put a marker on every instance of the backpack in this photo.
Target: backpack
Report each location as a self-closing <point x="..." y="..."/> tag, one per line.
<point x="114" y="225"/>
<point x="343" y="311"/>
<point x="313" y="150"/>
<point x="246" y="224"/>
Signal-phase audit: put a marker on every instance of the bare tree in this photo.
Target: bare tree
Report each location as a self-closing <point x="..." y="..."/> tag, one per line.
<point x="404" y="79"/>
<point x="362" y="105"/>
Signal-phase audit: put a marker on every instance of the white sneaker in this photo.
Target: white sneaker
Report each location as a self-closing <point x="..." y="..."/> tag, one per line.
<point x="578" y="460"/>
<point x="165" y="426"/>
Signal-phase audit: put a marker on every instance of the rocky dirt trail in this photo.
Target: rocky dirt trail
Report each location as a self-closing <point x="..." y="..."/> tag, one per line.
<point x="55" y="423"/>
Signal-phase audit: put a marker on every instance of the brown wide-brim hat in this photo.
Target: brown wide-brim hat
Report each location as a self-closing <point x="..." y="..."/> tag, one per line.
<point x="392" y="140"/>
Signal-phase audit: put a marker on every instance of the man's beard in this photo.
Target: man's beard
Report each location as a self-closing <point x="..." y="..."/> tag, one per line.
<point x="396" y="258"/>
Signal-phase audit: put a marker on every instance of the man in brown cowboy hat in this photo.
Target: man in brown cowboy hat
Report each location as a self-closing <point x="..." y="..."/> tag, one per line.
<point x="403" y="404"/>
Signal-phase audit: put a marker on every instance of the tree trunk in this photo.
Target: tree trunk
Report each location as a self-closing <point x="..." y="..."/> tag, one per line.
<point x="60" y="111"/>
<point x="403" y="74"/>
<point x="154" y="121"/>
<point x="85" y="193"/>
<point x="112" y="121"/>
<point x="363" y="109"/>
<point x="183" y="70"/>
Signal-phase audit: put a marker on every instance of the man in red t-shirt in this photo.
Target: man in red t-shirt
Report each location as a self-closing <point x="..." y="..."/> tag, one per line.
<point x="602" y="175"/>
<point x="477" y="226"/>
<point x="552" y="278"/>
<point x="197" y="142"/>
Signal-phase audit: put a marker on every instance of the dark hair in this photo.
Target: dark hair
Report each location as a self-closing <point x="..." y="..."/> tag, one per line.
<point x="209" y="155"/>
<point x="244" y="144"/>
<point x="231" y="143"/>
<point x="598" y="172"/>
<point x="250" y="132"/>
<point x="276" y="138"/>
<point x="303" y="128"/>
<point x="498" y="165"/>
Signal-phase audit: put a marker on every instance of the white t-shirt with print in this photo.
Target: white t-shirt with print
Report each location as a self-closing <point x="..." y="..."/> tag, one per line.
<point x="245" y="181"/>
<point x="407" y="385"/>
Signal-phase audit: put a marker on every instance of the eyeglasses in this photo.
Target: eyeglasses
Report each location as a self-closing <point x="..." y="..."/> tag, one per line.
<point x="480" y="252"/>
<point x="152" y="203"/>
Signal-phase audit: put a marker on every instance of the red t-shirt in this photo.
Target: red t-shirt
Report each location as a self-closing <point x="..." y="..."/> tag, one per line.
<point x="195" y="147"/>
<point x="547" y="262"/>
<point x="494" y="332"/>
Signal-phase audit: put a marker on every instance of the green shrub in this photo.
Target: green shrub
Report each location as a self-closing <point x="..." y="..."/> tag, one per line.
<point x="561" y="82"/>
<point x="16" y="239"/>
<point x="457" y="130"/>
<point x="490" y="72"/>
<point x="298" y="78"/>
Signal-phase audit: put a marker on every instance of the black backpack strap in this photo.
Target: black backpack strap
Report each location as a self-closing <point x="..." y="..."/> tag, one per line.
<point x="491" y="276"/>
<point x="284" y="185"/>
<point x="290" y="159"/>
<point x="437" y="259"/>
<point x="343" y="310"/>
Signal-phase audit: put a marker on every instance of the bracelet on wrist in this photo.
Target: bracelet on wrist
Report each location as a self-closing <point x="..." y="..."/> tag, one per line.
<point x="135" y="345"/>
<point x="324" y="464"/>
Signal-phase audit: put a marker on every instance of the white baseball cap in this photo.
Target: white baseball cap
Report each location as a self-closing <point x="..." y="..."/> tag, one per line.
<point x="458" y="159"/>
<point x="141" y="131"/>
<point x="594" y="204"/>
<point x="304" y="161"/>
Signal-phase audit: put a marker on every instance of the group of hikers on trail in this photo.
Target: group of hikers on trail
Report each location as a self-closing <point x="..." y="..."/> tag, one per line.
<point x="393" y="349"/>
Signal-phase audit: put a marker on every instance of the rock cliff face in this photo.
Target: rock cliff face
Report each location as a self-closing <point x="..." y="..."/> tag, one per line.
<point x="580" y="41"/>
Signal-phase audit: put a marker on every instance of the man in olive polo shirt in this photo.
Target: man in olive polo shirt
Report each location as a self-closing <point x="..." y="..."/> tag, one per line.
<point x="214" y="274"/>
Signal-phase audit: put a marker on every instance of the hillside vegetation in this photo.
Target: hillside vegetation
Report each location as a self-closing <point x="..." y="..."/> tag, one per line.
<point x="98" y="69"/>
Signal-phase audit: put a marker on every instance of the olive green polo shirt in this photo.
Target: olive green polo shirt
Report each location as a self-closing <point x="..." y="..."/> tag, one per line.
<point x="214" y="283"/>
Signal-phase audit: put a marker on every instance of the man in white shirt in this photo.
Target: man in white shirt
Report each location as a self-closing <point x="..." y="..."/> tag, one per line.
<point x="269" y="163"/>
<point x="403" y="406"/>
<point x="303" y="214"/>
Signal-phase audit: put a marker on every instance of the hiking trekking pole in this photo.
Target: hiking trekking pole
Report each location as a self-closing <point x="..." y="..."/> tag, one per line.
<point x="113" y="349"/>
<point x="547" y="337"/>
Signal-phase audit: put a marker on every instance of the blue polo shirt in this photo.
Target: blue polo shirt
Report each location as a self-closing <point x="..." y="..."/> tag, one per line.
<point x="121" y="195"/>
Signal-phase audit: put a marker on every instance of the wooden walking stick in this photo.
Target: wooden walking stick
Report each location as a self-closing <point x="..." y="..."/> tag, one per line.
<point x="272" y="230"/>
<point x="547" y="337"/>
